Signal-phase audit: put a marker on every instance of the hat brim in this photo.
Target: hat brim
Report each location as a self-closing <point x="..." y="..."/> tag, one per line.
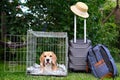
<point x="78" y="12"/>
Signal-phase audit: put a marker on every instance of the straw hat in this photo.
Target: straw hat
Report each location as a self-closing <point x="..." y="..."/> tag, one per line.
<point x="80" y="9"/>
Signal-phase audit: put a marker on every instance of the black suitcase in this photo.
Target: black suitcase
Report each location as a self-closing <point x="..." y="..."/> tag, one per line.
<point x="78" y="50"/>
<point x="78" y="54"/>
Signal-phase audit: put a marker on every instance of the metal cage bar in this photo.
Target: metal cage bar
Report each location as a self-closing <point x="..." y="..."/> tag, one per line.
<point x="15" y="53"/>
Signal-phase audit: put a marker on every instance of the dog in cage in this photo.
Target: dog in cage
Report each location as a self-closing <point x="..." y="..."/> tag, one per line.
<point x="48" y="61"/>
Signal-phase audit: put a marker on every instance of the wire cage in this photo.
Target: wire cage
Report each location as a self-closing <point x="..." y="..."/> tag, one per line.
<point x="15" y="53"/>
<point x="38" y="42"/>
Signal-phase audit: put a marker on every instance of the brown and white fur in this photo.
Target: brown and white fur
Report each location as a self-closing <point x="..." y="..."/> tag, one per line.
<point x="48" y="61"/>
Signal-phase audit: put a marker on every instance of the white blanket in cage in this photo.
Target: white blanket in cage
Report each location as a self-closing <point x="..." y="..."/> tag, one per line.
<point x="35" y="70"/>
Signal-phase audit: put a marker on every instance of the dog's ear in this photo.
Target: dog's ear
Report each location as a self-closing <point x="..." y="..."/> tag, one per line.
<point x="42" y="59"/>
<point x="54" y="61"/>
<point x="54" y="58"/>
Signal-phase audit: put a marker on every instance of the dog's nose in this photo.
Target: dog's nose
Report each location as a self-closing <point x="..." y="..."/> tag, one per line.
<point x="47" y="60"/>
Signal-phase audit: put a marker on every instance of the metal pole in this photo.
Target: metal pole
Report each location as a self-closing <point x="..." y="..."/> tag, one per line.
<point x="84" y="30"/>
<point x="74" y="28"/>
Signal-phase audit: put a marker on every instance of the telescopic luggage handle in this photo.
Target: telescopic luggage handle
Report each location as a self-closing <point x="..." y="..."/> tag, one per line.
<point x="75" y="27"/>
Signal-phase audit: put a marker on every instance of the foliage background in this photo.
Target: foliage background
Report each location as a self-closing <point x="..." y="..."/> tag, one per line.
<point x="55" y="15"/>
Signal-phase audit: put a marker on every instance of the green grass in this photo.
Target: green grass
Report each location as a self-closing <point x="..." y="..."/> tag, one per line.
<point x="71" y="76"/>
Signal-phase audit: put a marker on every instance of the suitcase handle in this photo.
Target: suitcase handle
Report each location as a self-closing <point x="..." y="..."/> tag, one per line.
<point x="75" y="27"/>
<point x="84" y="30"/>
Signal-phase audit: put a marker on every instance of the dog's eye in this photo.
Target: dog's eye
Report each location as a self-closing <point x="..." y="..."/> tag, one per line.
<point x="50" y="55"/>
<point x="45" y="56"/>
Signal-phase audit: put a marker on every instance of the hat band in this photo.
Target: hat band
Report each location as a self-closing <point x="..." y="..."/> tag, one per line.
<point x="81" y="9"/>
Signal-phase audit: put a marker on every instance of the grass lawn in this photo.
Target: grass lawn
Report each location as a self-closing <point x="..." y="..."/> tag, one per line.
<point x="71" y="76"/>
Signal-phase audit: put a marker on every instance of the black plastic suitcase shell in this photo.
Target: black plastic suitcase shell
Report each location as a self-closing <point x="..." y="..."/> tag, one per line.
<point x="77" y="67"/>
<point x="78" y="54"/>
<point x="77" y="60"/>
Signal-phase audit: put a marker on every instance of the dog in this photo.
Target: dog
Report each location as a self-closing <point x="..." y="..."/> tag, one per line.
<point x="48" y="61"/>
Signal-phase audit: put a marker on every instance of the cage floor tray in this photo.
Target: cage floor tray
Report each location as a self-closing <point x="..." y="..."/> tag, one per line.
<point x="35" y="70"/>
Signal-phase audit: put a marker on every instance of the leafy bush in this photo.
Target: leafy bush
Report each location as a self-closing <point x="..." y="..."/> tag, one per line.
<point x="58" y="17"/>
<point x="108" y="35"/>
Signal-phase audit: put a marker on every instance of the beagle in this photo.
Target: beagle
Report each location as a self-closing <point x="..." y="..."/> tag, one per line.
<point x="48" y="61"/>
